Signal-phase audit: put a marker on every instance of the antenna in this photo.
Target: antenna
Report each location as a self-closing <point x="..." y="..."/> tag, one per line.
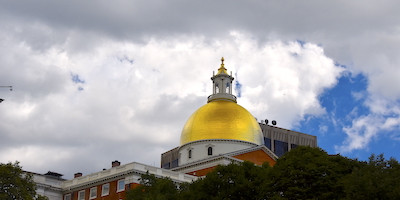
<point x="8" y="87"/>
<point x="1" y="100"/>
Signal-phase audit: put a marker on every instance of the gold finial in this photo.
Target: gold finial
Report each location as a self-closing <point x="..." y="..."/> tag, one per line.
<point x="222" y="69"/>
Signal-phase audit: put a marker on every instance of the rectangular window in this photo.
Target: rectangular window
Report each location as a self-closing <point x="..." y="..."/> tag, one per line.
<point x="67" y="197"/>
<point x="267" y="142"/>
<point x="175" y="163"/>
<point x="293" y="146"/>
<point x="166" y="166"/>
<point x="105" y="189"/>
<point x="280" y="148"/>
<point x="121" y="185"/>
<point x="81" y="195"/>
<point x="93" y="193"/>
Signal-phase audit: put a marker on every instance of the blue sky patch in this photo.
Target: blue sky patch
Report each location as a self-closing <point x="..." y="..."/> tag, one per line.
<point x="238" y="87"/>
<point x="125" y="58"/>
<point x="75" y="78"/>
<point x="343" y="103"/>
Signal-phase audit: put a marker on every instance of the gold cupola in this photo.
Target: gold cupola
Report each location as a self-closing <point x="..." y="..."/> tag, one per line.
<point x="222" y="118"/>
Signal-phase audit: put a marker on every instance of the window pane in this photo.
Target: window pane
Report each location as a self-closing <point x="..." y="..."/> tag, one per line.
<point x="105" y="189"/>
<point x="67" y="197"/>
<point x="267" y="142"/>
<point x="209" y="151"/>
<point x="166" y="165"/>
<point x="175" y="163"/>
<point x="121" y="185"/>
<point x="280" y="148"/>
<point x="81" y="195"/>
<point x="93" y="192"/>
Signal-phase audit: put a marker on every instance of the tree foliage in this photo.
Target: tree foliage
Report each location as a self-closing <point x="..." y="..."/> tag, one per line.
<point x="234" y="181"/>
<point x="153" y="188"/>
<point x="378" y="179"/>
<point x="309" y="173"/>
<point x="302" y="173"/>
<point x="15" y="184"/>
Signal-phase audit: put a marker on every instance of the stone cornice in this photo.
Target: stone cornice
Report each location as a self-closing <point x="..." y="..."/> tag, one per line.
<point x="216" y="140"/>
<point x="228" y="156"/>
<point x="205" y="161"/>
<point x="260" y="147"/>
<point x="121" y="172"/>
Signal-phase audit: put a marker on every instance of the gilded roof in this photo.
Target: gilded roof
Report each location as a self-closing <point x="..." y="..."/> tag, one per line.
<point x="222" y="120"/>
<point x="222" y="69"/>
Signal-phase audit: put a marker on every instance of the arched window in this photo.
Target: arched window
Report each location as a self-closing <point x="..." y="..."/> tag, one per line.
<point x="216" y="88"/>
<point x="190" y="153"/>
<point x="227" y="88"/>
<point x="209" y="151"/>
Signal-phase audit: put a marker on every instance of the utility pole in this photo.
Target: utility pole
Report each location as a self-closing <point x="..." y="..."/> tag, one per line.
<point x="1" y="100"/>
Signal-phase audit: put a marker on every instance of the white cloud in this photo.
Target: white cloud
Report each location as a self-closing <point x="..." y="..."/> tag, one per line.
<point x="139" y="95"/>
<point x="383" y="119"/>
<point x="145" y="73"/>
<point x="284" y="80"/>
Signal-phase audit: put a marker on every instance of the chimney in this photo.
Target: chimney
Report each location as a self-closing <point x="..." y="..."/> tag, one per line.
<point x="76" y="175"/>
<point x="115" y="163"/>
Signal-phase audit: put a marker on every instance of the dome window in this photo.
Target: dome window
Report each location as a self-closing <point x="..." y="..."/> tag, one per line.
<point x="190" y="153"/>
<point x="209" y="151"/>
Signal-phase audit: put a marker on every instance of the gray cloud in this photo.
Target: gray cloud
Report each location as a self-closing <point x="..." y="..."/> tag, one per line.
<point x="146" y="67"/>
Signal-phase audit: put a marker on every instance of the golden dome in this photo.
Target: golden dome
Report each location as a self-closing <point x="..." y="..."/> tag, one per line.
<point x="222" y="120"/>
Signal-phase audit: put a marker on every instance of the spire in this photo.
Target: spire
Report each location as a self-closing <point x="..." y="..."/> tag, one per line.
<point x="222" y="69"/>
<point x="222" y="85"/>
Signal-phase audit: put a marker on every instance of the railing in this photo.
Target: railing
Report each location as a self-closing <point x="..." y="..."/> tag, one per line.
<point x="128" y="167"/>
<point x="219" y="96"/>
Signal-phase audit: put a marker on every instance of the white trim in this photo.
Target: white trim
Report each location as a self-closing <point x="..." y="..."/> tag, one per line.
<point x="120" y="172"/>
<point x="102" y="190"/>
<point x="80" y="196"/>
<point x="210" y="145"/>
<point x="91" y="192"/>
<point x="123" y="189"/>
<point x="188" y="145"/>
<point x="67" y="195"/>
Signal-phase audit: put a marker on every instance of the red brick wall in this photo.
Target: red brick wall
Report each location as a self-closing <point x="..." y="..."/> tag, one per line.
<point x="257" y="157"/>
<point x="202" y="172"/>
<point x="113" y="194"/>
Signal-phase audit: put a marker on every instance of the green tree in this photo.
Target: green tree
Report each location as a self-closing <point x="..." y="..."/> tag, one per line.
<point x="233" y="181"/>
<point x="15" y="184"/>
<point x="152" y="188"/>
<point x="378" y="179"/>
<point x="308" y="173"/>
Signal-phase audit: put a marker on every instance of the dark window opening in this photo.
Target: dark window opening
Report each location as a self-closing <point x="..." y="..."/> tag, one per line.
<point x="293" y="146"/>
<point x="209" y="151"/>
<point x="190" y="153"/>
<point x="174" y="163"/>
<point x="280" y="148"/>
<point x="166" y="166"/>
<point x="267" y="142"/>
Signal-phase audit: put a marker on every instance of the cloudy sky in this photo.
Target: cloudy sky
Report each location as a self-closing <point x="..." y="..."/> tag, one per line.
<point x="97" y="81"/>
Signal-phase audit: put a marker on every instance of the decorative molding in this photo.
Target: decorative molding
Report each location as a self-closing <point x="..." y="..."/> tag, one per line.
<point x="216" y="140"/>
<point x="260" y="147"/>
